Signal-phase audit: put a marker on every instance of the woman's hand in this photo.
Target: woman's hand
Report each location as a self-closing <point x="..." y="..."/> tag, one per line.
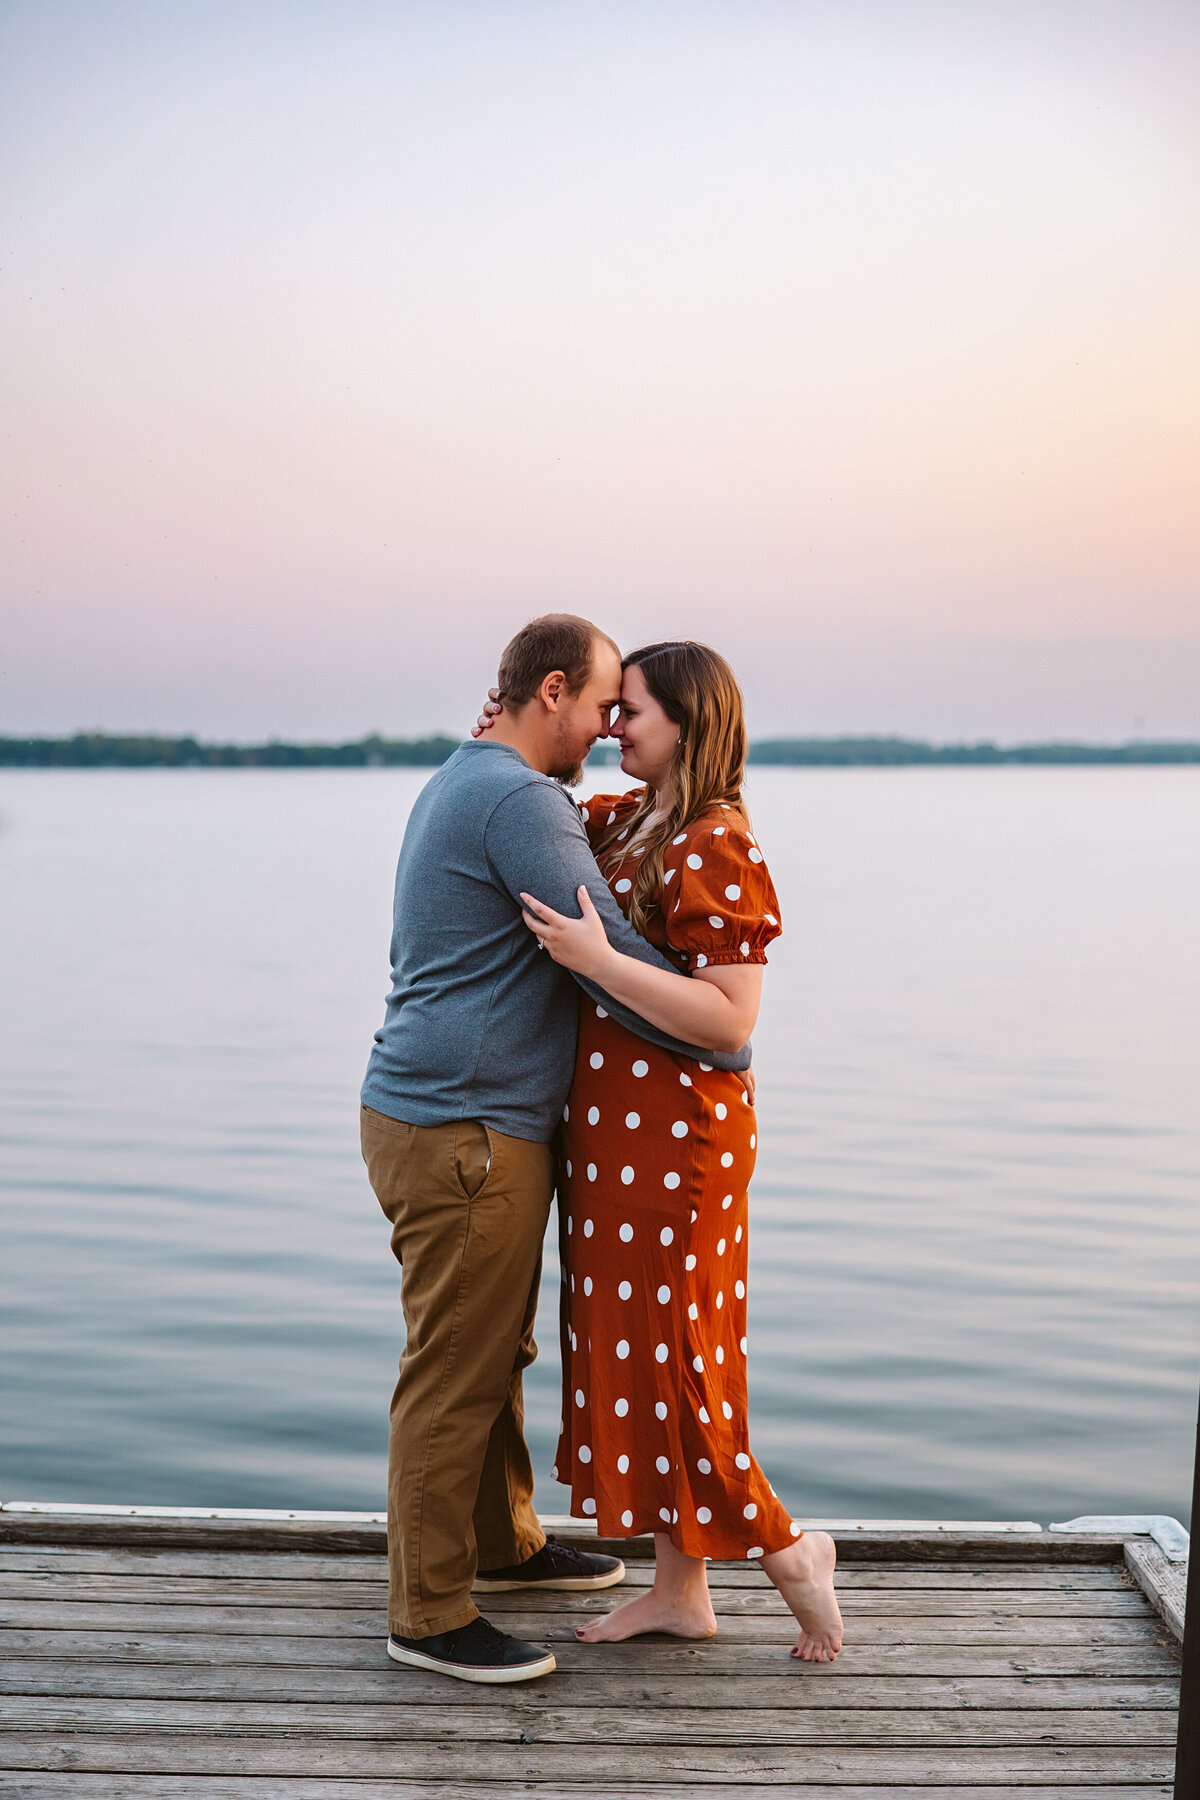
<point x="578" y="944"/>
<point x="491" y="706"/>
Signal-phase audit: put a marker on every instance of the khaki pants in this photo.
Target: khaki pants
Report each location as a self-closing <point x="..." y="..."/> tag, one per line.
<point x="468" y="1208"/>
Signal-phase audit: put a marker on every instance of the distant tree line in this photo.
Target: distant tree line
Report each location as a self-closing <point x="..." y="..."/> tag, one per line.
<point x="104" y="750"/>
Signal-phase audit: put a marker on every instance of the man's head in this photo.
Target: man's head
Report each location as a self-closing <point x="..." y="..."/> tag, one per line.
<point x="560" y="678"/>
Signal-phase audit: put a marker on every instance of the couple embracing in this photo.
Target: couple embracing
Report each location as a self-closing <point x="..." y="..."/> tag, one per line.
<point x="573" y="993"/>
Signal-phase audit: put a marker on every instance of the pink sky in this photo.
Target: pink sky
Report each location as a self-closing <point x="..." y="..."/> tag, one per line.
<point x="859" y="340"/>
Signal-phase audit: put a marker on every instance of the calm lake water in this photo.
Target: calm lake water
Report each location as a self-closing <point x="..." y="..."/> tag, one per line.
<point x="975" y="1242"/>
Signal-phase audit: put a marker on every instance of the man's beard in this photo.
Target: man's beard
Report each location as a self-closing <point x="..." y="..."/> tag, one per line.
<point x="568" y="772"/>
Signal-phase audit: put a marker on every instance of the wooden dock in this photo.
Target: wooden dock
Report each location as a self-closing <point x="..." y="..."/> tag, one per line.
<point x="242" y="1659"/>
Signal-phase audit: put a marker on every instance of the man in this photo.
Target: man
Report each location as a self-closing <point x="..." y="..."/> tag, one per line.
<point x="464" y="1089"/>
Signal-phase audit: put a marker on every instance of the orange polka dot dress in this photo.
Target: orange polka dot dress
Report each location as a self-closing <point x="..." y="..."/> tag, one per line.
<point x="657" y="1154"/>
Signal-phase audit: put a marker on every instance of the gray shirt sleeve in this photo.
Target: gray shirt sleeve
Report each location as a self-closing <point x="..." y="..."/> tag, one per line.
<point x="535" y="842"/>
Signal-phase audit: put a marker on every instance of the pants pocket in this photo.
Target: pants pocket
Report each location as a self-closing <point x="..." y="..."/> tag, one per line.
<point x="472" y="1156"/>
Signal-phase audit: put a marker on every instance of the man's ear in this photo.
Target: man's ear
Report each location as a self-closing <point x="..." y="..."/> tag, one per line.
<point x="553" y="689"/>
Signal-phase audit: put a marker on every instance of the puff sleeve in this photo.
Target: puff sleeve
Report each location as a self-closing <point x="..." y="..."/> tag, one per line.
<point x="720" y="905"/>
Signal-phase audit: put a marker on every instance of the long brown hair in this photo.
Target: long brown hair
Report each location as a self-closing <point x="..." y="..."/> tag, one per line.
<point x="698" y="691"/>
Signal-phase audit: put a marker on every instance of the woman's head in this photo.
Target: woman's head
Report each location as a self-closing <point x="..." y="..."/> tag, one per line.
<point x="681" y="723"/>
<point x="682" y="730"/>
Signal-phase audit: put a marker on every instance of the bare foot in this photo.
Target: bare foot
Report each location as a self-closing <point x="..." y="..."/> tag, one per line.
<point x="803" y="1573"/>
<point x="686" y="1616"/>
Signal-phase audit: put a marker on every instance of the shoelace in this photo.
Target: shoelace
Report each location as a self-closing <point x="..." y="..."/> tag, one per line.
<point x="483" y="1632"/>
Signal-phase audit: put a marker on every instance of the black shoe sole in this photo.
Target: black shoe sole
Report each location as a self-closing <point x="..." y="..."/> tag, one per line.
<point x="499" y="1674"/>
<point x="563" y="1584"/>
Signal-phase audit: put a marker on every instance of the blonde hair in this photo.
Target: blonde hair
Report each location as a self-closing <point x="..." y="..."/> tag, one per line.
<point x="698" y="691"/>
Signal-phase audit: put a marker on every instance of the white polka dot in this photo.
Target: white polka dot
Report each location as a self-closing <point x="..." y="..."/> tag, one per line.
<point x="591" y="1171"/>
<point x="661" y="1353"/>
<point x="694" y="861"/>
<point x="570" y="1171"/>
<point x="622" y="835"/>
<point x="720" y="1353"/>
<point x="572" y="1284"/>
<point x="726" y="1203"/>
<point x="627" y="1174"/>
<point x="666" y="1235"/>
<point x="703" y="1417"/>
<point x="579" y="1400"/>
<point x="715" y="922"/>
<point x="693" y="1311"/>
<point x="554" y="1471"/>
<point x="662" y="1465"/>
<point x="739" y="1288"/>
<point x="720" y="1246"/>
<point x="670" y="1180"/>
<point x="584" y="814"/>
<point x="753" y="1140"/>
<point x="587" y="1284"/>
<point x="726" y="1160"/>
<point x="633" y="1120"/>
<point x="703" y="1515"/>
<point x="719" y="830"/>
<point x="600" y="1013"/>
<point x="627" y="1519"/>
<point x="641" y="1068"/>
<point x="664" y="1294"/>
<point x="727" y="1409"/>
<point x="623" y="886"/>
<point x="721" y="1110"/>
<point x="620" y="1407"/>
<point x="623" y="1348"/>
<point x="622" y="1465"/>
<point x="668" y="877"/>
<point x="584" y="1453"/>
<point x="737" y="1236"/>
<point x="794" y="1529"/>
<point x="625" y="1290"/>
<point x="679" y="1129"/>
<point x="689" y="1262"/>
<point x="733" y="891"/>
<point x="675" y="1516"/>
<point x="574" y="1342"/>
<point x="566" y="1112"/>
<point x="720" y="1301"/>
<point x="698" y="1364"/>
<point x="742" y="1345"/>
<point x="664" y="1515"/>
<point x="611" y="817"/>
<point x="754" y="855"/>
<point x="681" y="839"/>
<point x="684" y="1080"/>
<point x="588" y="1228"/>
<point x="745" y="949"/>
<point x="593" y="1115"/>
<point x="702" y="963"/>
<point x="625" y="1233"/>
<point x="756" y="1551"/>
<point x="660" y="1409"/>
<point x="770" y="918"/>
<point x="750" y="1511"/>
<point x="707" y="1067"/>
<point x="596" y="1059"/>
<point x="704" y="1466"/>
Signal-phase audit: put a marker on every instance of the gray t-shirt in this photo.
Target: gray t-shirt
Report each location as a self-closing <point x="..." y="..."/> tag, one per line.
<point x="481" y="1024"/>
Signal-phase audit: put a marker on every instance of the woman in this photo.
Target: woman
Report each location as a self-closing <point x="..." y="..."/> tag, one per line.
<point x="657" y="1153"/>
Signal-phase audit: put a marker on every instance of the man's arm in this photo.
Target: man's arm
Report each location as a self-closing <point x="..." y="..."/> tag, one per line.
<point x="536" y="844"/>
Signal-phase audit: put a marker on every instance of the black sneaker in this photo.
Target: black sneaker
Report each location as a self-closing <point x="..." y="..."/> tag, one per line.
<point x="474" y="1652"/>
<point x="557" y="1566"/>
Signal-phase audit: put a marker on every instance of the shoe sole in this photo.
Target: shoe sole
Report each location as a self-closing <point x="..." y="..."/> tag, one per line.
<point x="502" y="1674"/>
<point x="566" y="1584"/>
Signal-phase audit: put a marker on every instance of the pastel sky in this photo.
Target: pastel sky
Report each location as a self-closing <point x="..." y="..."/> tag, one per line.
<point x="858" y="338"/>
